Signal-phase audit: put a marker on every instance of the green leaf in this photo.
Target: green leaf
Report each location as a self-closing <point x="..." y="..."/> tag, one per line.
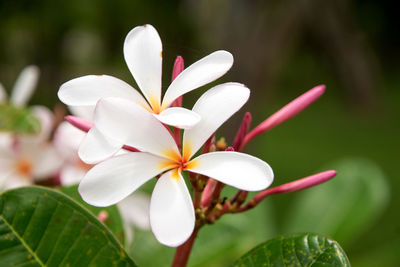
<point x="18" y="120"/>
<point x="296" y="250"/>
<point x="343" y="207"/>
<point x="114" y="221"/>
<point x="42" y="227"/>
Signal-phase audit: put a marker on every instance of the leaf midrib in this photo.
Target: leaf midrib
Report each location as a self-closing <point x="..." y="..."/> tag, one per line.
<point x="22" y="241"/>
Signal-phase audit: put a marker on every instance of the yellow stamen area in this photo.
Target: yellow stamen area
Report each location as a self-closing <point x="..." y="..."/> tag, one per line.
<point x="167" y="165"/>
<point x="165" y="105"/>
<point x="187" y="151"/>
<point x="24" y="167"/>
<point x="175" y="173"/>
<point x="147" y="107"/>
<point x="173" y="155"/>
<point x="192" y="164"/>
<point x="177" y="162"/>
<point x="155" y="104"/>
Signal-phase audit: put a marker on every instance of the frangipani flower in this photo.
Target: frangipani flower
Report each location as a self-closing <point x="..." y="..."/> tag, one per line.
<point x="143" y="55"/>
<point x="26" y="159"/>
<point x="20" y="95"/>
<point x="172" y="214"/>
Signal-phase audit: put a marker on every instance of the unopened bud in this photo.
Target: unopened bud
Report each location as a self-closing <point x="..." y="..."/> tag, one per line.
<point x="286" y="113"/>
<point x="102" y="216"/>
<point x="221" y="144"/>
<point x="79" y="123"/>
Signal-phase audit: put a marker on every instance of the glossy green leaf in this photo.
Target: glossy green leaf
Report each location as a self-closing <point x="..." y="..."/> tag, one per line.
<point x="18" y="120"/>
<point x="42" y="227"/>
<point x="343" y="207"/>
<point x="296" y="250"/>
<point x="114" y="221"/>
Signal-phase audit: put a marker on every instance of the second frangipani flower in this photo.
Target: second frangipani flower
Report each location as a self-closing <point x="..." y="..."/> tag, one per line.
<point x="172" y="215"/>
<point x="143" y="55"/>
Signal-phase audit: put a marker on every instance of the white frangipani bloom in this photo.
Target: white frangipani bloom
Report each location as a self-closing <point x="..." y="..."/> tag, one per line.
<point x="22" y="91"/>
<point x="26" y="159"/>
<point x="143" y="55"/>
<point x="172" y="216"/>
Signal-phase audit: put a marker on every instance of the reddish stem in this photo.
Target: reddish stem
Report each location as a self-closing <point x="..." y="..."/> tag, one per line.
<point x="183" y="251"/>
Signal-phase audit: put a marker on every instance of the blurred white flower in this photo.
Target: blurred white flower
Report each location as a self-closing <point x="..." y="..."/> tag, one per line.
<point x="25" y="159"/>
<point x="23" y="87"/>
<point x="143" y="55"/>
<point x="135" y="213"/>
<point x="21" y="93"/>
<point x="134" y="209"/>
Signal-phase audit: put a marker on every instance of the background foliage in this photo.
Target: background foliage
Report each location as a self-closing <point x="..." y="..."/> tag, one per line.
<point x="281" y="49"/>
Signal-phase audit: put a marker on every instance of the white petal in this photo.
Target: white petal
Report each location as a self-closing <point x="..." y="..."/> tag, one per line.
<point x="198" y="74"/>
<point x="132" y="125"/>
<point x="67" y="139"/>
<point x="24" y="86"/>
<point x="70" y="175"/>
<point x="84" y="112"/>
<point x="46" y="119"/>
<point x="178" y="117"/>
<point x="135" y="210"/>
<point x="114" y="179"/>
<point x="143" y="55"/>
<point x="214" y="107"/>
<point x="46" y="161"/>
<point x="235" y="169"/>
<point x="6" y="141"/>
<point x="96" y="147"/>
<point x="3" y="94"/>
<point x="13" y="180"/>
<point x="87" y="90"/>
<point x="171" y="210"/>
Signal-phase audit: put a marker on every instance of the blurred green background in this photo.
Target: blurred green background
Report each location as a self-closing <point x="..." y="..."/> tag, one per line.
<point x="281" y="49"/>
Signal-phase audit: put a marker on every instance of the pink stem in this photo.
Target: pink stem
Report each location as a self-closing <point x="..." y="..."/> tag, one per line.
<point x="297" y="185"/>
<point x="85" y="126"/>
<point x="285" y="113"/>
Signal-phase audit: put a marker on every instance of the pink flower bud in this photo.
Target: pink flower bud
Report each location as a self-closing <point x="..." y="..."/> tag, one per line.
<point x="79" y="123"/>
<point x="243" y="129"/>
<point x="286" y="113"/>
<point x="178" y="68"/>
<point x="102" y="216"/>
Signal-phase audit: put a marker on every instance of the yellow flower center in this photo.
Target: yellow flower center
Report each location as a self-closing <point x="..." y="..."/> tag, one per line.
<point x="24" y="167"/>
<point x="177" y="162"/>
